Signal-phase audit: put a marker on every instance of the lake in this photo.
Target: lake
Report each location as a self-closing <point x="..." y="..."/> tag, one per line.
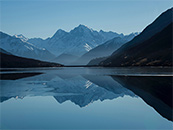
<point x="86" y="98"/>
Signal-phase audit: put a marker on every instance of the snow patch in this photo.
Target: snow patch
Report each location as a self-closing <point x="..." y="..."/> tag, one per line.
<point x="87" y="47"/>
<point x="23" y="38"/>
<point x="30" y="48"/>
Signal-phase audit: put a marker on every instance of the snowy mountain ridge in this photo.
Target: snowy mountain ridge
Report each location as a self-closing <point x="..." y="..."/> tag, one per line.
<point x="74" y="43"/>
<point x="18" y="45"/>
<point x="77" y="42"/>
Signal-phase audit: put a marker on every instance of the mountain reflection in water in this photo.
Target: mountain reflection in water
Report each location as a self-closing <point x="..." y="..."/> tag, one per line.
<point x="156" y="91"/>
<point x="75" y="88"/>
<point x="85" y="88"/>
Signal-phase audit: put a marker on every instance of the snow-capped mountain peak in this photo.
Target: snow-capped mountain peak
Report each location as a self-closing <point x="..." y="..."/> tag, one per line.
<point x="78" y="41"/>
<point x="81" y="29"/>
<point x="20" y="36"/>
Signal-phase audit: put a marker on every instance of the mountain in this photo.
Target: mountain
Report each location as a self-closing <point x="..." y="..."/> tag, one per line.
<point x="18" y="45"/>
<point x="152" y="47"/>
<point x="11" y="61"/>
<point x="65" y="59"/>
<point x="76" y="42"/>
<point x="104" y="49"/>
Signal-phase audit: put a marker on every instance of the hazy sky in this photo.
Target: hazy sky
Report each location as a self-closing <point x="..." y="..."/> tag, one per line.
<point x="36" y="18"/>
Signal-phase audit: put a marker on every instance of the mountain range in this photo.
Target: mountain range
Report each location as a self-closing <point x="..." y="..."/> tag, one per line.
<point x="78" y="41"/>
<point x="64" y="47"/>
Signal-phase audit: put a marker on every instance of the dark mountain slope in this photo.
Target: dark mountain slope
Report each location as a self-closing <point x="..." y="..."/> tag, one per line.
<point x="11" y="61"/>
<point x="152" y="47"/>
<point x="158" y="25"/>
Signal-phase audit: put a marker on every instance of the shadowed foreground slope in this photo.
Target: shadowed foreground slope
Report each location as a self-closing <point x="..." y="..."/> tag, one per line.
<point x="153" y="47"/>
<point x="11" y="61"/>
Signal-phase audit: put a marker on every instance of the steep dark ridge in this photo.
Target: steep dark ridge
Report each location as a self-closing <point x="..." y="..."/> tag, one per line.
<point x="153" y="42"/>
<point x="158" y="25"/>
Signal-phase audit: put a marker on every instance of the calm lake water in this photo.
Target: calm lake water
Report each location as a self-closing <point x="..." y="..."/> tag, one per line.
<point x="86" y="98"/>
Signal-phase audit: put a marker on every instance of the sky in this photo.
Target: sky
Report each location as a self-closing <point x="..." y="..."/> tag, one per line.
<point x="42" y="18"/>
